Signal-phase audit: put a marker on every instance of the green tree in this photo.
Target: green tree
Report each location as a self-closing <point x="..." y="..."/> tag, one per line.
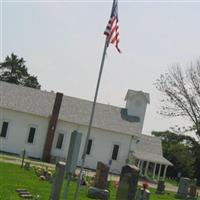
<point x="181" y="97"/>
<point x="13" y="70"/>
<point x="178" y="149"/>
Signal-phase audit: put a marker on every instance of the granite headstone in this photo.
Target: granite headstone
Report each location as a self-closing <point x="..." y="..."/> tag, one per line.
<point x="143" y="194"/>
<point x="57" y="182"/>
<point x="193" y="188"/>
<point x="183" y="187"/>
<point x="128" y="183"/>
<point x="161" y="187"/>
<point x="101" y="178"/>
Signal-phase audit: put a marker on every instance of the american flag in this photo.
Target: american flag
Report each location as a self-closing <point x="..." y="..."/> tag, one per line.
<point x="112" y="29"/>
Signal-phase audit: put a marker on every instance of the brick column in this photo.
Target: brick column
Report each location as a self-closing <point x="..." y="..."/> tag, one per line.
<point x="52" y="127"/>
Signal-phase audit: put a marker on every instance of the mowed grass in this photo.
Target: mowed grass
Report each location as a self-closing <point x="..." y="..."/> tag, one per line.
<point x="13" y="177"/>
<point x="166" y="196"/>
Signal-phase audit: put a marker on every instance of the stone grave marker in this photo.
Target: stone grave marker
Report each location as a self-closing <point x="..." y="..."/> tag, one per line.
<point x="143" y="194"/>
<point x="183" y="187"/>
<point x="101" y="178"/>
<point x="128" y="183"/>
<point x="27" y="166"/>
<point x="96" y="193"/>
<point x="161" y="187"/>
<point x="193" y="188"/>
<point x="58" y="180"/>
<point x="100" y="189"/>
<point x="24" y="193"/>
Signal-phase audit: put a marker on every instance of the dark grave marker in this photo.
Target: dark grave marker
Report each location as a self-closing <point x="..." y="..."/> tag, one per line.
<point x="128" y="183"/>
<point x="143" y="194"/>
<point x="161" y="187"/>
<point x="101" y="178"/>
<point x="58" y="181"/>
<point x="97" y="193"/>
<point x="193" y="188"/>
<point x="183" y="187"/>
<point x="27" y="166"/>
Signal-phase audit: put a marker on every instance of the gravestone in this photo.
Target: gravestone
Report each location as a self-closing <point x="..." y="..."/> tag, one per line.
<point x="128" y="183"/>
<point x="101" y="178"/>
<point x="97" y="193"/>
<point x="143" y="194"/>
<point x="161" y="187"/>
<point x="24" y="193"/>
<point x="58" y="180"/>
<point x="27" y="166"/>
<point x="183" y="187"/>
<point x="193" y="188"/>
<point x="73" y="152"/>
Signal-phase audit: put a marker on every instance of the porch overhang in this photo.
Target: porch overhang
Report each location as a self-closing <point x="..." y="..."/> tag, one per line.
<point x="149" y="157"/>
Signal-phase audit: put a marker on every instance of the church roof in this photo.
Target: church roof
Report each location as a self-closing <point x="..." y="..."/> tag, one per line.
<point x="149" y="148"/>
<point x="74" y="110"/>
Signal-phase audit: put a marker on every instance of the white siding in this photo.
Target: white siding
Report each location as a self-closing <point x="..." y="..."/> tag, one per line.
<point x="102" y="145"/>
<point x="66" y="128"/>
<point x="18" y="129"/>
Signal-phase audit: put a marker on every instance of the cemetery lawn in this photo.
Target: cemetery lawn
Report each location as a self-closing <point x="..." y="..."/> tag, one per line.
<point x="13" y="177"/>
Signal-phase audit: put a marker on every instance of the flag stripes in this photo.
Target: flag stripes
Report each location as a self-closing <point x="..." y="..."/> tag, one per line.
<point x="112" y="28"/>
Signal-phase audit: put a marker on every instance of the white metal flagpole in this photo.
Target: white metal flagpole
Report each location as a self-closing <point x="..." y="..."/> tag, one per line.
<point x="91" y="120"/>
<point x="107" y="41"/>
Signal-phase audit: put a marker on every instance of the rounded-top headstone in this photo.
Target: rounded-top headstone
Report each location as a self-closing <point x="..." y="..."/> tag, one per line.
<point x="128" y="183"/>
<point x="183" y="187"/>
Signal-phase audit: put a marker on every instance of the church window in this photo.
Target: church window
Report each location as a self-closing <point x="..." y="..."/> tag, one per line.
<point x="4" y="129"/>
<point x="31" y="135"/>
<point x="89" y="146"/>
<point x="60" y="141"/>
<point x="115" y="152"/>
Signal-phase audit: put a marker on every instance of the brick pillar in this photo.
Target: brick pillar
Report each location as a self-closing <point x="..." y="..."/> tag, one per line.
<point x="52" y="127"/>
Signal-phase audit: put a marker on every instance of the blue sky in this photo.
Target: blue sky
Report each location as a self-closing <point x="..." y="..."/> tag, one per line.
<point x="63" y="41"/>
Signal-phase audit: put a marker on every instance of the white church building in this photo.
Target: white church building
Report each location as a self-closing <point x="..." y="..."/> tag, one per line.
<point x="42" y="122"/>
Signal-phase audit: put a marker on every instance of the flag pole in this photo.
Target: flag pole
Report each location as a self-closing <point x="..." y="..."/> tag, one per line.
<point x="107" y="40"/>
<point x="91" y="119"/>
